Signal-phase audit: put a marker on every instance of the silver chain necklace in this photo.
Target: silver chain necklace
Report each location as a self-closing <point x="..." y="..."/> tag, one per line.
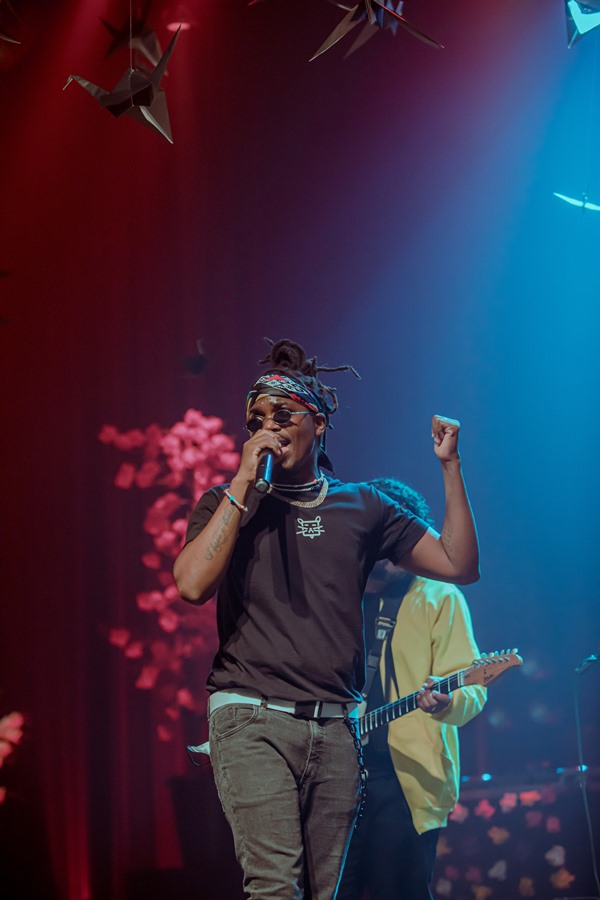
<point x="296" y="488"/>
<point x="304" y="504"/>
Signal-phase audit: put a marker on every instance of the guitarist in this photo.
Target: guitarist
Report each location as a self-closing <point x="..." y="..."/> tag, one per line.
<point x="413" y="763"/>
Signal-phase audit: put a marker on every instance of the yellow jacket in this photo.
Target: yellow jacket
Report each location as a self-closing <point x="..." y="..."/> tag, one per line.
<point x="433" y="636"/>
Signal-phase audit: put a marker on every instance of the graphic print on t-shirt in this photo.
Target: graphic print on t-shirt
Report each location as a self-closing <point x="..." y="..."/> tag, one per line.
<point x="310" y="528"/>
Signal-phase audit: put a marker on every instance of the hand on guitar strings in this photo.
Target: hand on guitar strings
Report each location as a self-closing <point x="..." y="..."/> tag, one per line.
<point x="430" y="700"/>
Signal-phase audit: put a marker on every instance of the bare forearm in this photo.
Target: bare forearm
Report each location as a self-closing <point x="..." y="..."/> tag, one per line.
<point x="459" y="534"/>
<point x="200" y="566"/>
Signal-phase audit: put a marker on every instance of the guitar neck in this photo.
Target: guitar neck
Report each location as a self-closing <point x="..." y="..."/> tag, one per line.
<point x="386" y="714"/>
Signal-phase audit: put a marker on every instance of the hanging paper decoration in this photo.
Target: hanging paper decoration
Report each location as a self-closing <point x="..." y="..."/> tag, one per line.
<point x="581" y="18"/>
<point x="373" y="15"/>
<point x="135" y="34"/>
<point x="138" y="94"/>
<point x="583" y="204"/>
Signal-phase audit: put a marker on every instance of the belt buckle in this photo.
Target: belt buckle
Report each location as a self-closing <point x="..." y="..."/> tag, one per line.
<point x="309" y="709"/>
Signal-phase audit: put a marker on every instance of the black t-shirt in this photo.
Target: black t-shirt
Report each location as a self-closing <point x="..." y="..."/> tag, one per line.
<point x="289" y="608"/>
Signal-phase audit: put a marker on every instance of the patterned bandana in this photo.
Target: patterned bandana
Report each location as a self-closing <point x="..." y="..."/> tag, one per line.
<point x="276" y="384"/>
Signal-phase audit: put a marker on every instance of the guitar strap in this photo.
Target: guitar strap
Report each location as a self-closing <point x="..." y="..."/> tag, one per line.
<point x="384" y="625"/>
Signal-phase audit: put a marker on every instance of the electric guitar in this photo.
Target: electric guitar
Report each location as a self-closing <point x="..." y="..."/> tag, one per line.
<point x="482" y="671"/>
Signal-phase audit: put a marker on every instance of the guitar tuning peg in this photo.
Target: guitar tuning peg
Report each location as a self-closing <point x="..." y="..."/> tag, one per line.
<point x="484" y="654"/>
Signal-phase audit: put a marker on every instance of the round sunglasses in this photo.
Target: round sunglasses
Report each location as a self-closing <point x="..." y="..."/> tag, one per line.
<point x="280" y="417"/>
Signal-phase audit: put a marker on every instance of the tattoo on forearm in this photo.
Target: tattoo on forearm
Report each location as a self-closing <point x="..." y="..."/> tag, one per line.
<point x="221" y="538"/>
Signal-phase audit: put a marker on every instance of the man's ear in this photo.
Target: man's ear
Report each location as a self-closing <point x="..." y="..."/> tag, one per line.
<point x="320" y="424"/>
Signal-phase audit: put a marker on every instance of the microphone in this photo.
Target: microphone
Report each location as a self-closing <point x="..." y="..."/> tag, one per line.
<point x="587" y="662"/>
<point x="264" y="471"/>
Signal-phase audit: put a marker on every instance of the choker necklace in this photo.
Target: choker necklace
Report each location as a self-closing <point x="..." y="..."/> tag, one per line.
<point x="305" y="504"/>
<point x="308" y="486"/>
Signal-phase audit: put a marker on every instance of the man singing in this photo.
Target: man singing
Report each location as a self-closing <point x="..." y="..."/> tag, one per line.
<point x="290" y="567"/>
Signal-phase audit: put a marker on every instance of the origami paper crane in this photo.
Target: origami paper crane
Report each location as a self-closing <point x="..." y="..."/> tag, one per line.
<point x="583" y="203"/>
<point x="138" y="94"/>
<point x="581" y="18"/>
<point x="135" y="33"/>
<point x="374" y="15"/>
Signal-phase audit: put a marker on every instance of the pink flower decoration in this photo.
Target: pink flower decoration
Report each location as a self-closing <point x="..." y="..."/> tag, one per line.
<point x="11" y="727"/>
<point x="191" y="456"/>
<point x="220" y="444"/>
<point x="148" y="474"/>
<point x="167" y="542"/>
<point x="151" y="560"/>
<point x="473" y="874"/>
<point x="119" y="637"/>
<point x="562" y="879"/>
<point x="171" y="593"/>
<point x="135" y="650"/>
<point x="533" y="818"/>
<point x="548" y="795"/>
<point x="164" y="734"/>
<point x="211" y="423"/>
<point x="185" y="699"/>
<point x="508" y="802"/>
<point x="183" y="461"/>
<point x="556" y="856"/>
<point x="498" y="836"/>
<point x="443" y="848"/>
<point x="459" y="814"/>
<point x="443" y="887"/>
<point x="553" y="825"/>
<point x="125" y="476"/>
<point x="498" y="870"/>
<point x="229" y="461"/>
<point x="170" y="444"/>
<point x="169" y="621"/>
<point x="147" y="678"/>
<point x="529" y="798"/>
<point x="484" y="809"/>
<point x="135" y="438"/>
<point x="108" y="433"/>
<point x="151" y="600"/>
<point x="158" y="516"/>
<point x="193" y="417"/>
<point x="173" y="479"/>
<point x="5" y="750"/>
<point x="481" y="891"/>
<point x="452" y="873"/>
<point x="526" y="887"/>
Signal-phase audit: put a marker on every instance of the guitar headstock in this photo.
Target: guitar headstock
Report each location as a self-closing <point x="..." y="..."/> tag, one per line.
<point x="490" y="666"/>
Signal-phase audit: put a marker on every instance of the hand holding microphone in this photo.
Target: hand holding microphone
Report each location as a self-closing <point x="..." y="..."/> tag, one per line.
<point x="258" y="455"/>
<point x="264" y="472"/>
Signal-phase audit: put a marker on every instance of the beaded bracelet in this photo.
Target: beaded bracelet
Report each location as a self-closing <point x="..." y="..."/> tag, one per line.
<point x="235" y="502"/>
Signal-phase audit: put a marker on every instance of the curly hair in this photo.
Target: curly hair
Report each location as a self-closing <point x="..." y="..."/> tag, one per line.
<point x="290" y="358"/>
<point x="404" y="496"/>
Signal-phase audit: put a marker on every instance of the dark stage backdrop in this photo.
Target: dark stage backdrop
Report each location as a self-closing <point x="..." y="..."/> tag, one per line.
<point x="393" y="210"/>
